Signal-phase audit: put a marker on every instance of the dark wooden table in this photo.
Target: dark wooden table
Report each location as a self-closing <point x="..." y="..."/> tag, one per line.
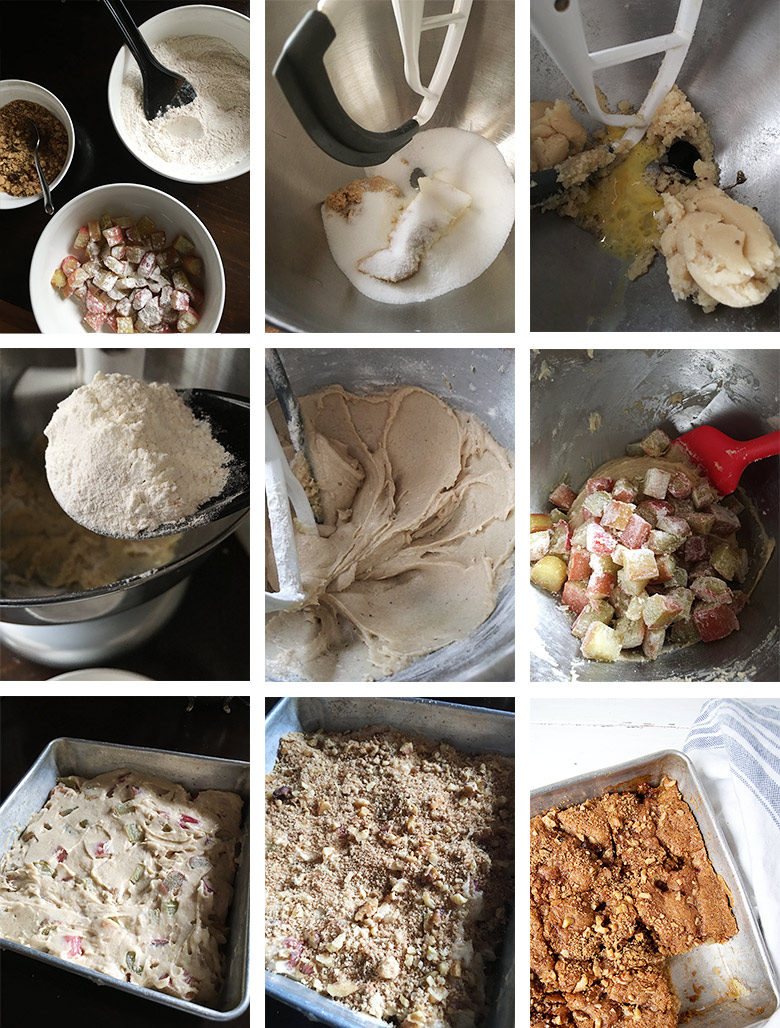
<point x="68" y="48"/>
<point x="31" y="993"/>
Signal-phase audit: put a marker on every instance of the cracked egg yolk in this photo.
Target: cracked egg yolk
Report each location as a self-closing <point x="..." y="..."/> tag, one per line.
<point x="624" y="204"/>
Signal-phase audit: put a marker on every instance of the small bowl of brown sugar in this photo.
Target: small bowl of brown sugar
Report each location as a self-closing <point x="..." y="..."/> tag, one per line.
<point x="20" y="101"/>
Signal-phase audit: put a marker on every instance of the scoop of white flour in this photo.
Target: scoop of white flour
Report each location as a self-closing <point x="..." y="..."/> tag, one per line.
<point x="126" y="456"/>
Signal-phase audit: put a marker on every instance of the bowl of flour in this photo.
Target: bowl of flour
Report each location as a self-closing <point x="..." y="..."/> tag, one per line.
<point x="208" y="139"/>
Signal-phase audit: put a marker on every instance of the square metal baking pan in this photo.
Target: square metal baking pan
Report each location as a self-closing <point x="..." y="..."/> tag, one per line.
<point x="470" y="729"/>
<point x="86" y="758"/>
<point x="720" y="986"/>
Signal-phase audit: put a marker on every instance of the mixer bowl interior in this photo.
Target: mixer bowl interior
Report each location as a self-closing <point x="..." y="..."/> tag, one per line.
<point x="305" y="291"/>
<point x="576" y="285"/>
<point x="480" y="381"/>
<point x="635" y="391"/>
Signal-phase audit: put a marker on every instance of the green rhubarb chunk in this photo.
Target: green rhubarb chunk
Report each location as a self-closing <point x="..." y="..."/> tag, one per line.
<point x="137" y="874"/>
<point x="173" y="881"/>
<point x="44" y="867"/>
<point x="145" y="225"/>
<point x="132" y="963"/>
<point x="171" y="906"/>
<point x="133" y="832"/>
<point x="124" y="808"/>
<point x="69" y="783"/>
<point x="64" y="813"/>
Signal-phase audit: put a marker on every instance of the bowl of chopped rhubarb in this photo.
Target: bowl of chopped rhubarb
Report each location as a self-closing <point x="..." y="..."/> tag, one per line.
<point x="126" y="258"/>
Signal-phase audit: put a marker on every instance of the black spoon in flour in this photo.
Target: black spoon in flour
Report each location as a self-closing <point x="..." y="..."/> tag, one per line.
<point x="163" y="88"/>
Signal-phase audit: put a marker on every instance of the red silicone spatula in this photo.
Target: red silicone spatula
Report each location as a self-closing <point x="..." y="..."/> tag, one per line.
<point x="724" y="459"/>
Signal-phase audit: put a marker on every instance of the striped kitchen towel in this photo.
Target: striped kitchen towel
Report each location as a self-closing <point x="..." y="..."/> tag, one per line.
<point x="735" y="746"/>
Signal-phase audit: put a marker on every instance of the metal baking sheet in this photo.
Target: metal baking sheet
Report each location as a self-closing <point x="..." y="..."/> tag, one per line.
<point x="87" y="758"/>
<point x="719" y="986"/>
<point x="469" y="729"/>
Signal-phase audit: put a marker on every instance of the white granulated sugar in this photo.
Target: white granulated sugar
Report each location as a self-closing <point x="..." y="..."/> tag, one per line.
<point x="126" y="456"/>
<point x="466" y="161"/>
<point x="209" y="135"/>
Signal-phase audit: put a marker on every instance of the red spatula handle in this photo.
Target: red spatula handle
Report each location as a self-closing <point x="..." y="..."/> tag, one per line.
<point x="764" y="446"/>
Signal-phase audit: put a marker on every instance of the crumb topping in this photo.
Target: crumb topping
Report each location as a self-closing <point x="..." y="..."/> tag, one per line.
<point x="617" y="886"/>
<point x="388" y="872"/>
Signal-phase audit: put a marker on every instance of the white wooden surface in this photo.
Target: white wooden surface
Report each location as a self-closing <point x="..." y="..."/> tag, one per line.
<point x="571" y="737"/>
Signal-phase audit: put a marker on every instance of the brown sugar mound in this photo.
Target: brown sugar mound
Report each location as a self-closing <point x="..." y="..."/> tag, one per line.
<point x="345" y="201"/>
<point x="617" y="885"/>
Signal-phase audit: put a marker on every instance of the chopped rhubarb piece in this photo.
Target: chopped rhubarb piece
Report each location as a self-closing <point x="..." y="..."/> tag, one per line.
<point x="574" y="596"/>
<point x="630" y="633"/>
<point x="82" y="238"/>
<point x="69" y="264"/>
<point x="725" y="560"/>
<point x="93" y="228"/>
<point x="639" y="565"/>
<point x="601" y="643"/>
<point x="599" y="540"/>
<point x="726" y="521"/>
<point x="540" y="545"/>
<point x="180" y="301"/>
<point x="61" y="853"/>
<point x="617" y="514"/>
<point x="113" y="235"/>
<point x="94" y="319"/>
<point x="539" y="522"/>
<point x="631" y="587"/>
<point x="680" y="485"/>
<point x="685" y="598"/>
<point x="695" y="548"/>
<point x="147" y="262"/>
<point x="617" y="554"/>
<point x="579" y="566"/>
<point x="738" y="601"/>
<point x="599" y="611"/>
<point x="667" y="565"/>
<point x="58" y="279"/>
<point x="703" y="495"/>
<point x="603" y="563"/>
<point x="711" y="590"/>
<point x="184" y="245"/>
<point x="103" y="849"/>
<point x="193" y="266"/>
<point x="635" y="533"/>
<point x="663" y="542"/>
<point x="715" y="622"/>
<point x="141" y="298"/>
<point x="600" y="584"/>
<point x="656" y="483"/>
<point x="563" y="496"/>
<point x="74" y="945"/>
<point x="187" y="320"/>
<point x="660" y="610"/>
<point x="145" y="225"/>
<point x="173" y="881"/>
<point x="157" y="241"/>
<point x="653" y="642"/>
<point x="595" y="485"/>
<point x="185" y="820"/>
<point x="549" y="573"/>
<point x="674" y="525"/>
<point x="684" y="632"/>
<point x="624" y="491"/>
<point x="117" y="266"/>
<point x="655" y="444"/>
<point x="124" y="324"/>
<point x="596" y="503"/>
<point x="119" y="252"/>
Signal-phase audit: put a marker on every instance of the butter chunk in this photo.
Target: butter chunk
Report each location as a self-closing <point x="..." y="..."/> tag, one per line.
<point x="717" y="250"/>
<point x="429" y="216"/>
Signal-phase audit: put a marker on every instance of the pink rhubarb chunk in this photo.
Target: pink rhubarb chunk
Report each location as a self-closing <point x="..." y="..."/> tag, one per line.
<point x="635" y="533"/>
<point x="563" y="496"/>
<point x="715" y="622"/>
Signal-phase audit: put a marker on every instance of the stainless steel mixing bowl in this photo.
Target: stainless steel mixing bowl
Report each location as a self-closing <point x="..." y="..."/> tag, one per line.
<point x="635" y="391"/>
<point x="480" y="381"/>
<point x="33" y="382"/>
<point x="305" y="291"/>
<point x="732" y="76"/>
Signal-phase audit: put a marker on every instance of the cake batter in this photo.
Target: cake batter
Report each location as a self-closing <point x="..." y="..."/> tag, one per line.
<point x="126" y="874"/>
<point x="417" y="538"/>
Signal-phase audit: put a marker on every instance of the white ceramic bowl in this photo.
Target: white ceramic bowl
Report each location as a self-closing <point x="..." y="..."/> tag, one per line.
<point x="19" y="89"/>
<point x="54" y="314"/>
<point x="194" y="20"/>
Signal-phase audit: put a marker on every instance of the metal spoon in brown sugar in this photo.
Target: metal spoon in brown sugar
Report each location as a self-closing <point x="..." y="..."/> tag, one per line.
<point x="48" y="206"/>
